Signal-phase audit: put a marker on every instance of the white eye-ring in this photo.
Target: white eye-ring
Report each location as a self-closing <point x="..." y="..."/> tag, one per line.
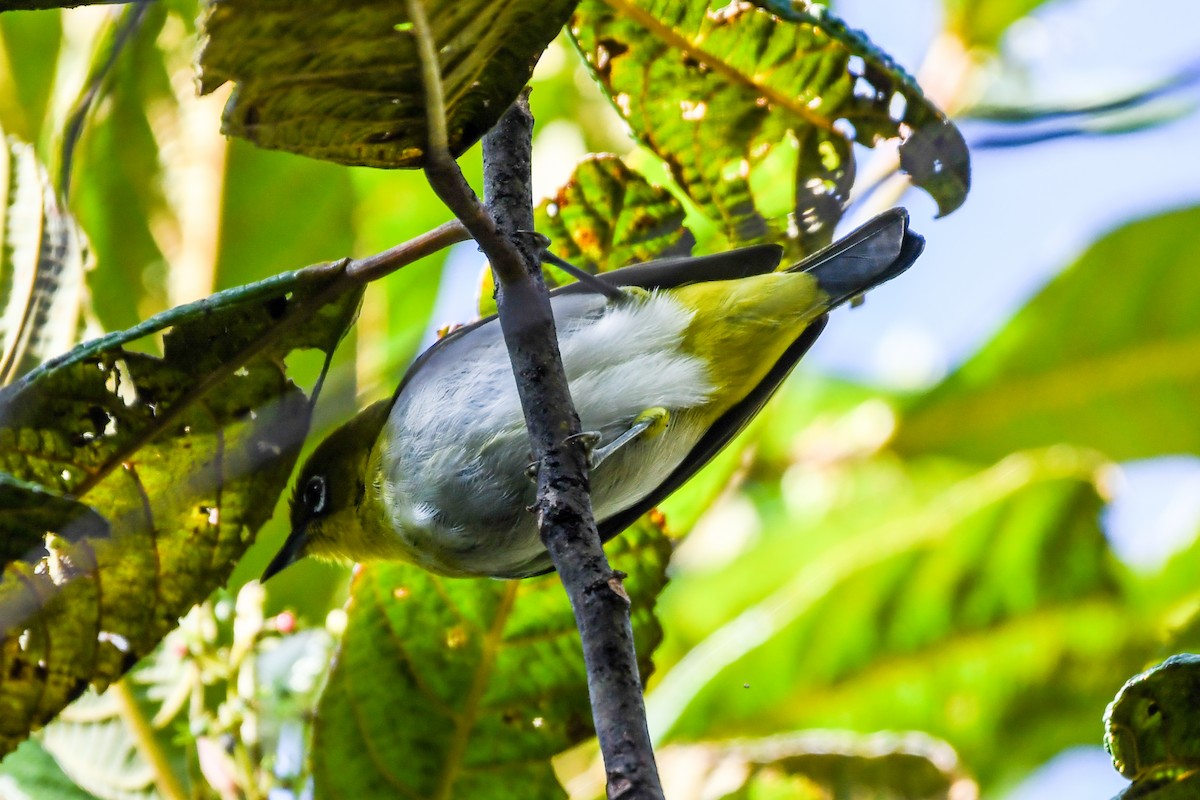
<point x="316" y="495"/>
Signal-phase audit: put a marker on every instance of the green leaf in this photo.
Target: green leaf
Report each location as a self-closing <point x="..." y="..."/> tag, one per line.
<point x="121" y="171"/>
<point x="754" y="97"/>
<point x="482" y="680"/>
<point x="42" y="261"/>
<point x="343" y="82"/>
<point x="184" y="455"/>
<point x="605" y="217"/>
<point x="981" y="23"/>
<point x="28" y="511"/>
<point x="989" y="590"/>
<point x="32" y="41"/>
<point x="882" y="766"/>
<point x="30" y="773"/>
<point x="95" y="747"/>
<point x="1107" y="356"/>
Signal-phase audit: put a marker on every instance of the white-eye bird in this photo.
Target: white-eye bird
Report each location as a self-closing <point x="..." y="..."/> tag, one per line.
<point x="663" y="376"/>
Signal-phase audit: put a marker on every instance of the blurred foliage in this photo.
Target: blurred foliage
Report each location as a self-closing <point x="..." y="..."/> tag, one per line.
<point x="1102" y="357"/>
<point x="861" y="572"/>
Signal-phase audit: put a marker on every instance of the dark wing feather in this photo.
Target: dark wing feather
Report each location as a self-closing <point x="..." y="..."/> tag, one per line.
<point x="870" y="255"/>
<point x="665" y="273"/>
<point x="728" y="426"/>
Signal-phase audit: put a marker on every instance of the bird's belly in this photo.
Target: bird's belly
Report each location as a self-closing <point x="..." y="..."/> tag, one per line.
<point x="457" y="487"/>
<point x="478" y="522"/>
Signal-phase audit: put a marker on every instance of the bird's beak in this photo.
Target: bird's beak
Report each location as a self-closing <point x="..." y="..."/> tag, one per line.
<point x="290" y="552"/>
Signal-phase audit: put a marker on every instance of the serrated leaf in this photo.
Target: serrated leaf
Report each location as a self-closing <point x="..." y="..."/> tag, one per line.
<point x="483" y="680"/>
<point x="605" y="217"/>
<point x="1107" y="356"/>
<point x="184" y="455"/>
<point x="751" y="90"/>
<point x="42" y="261"/>
<point x="343" y="82"/>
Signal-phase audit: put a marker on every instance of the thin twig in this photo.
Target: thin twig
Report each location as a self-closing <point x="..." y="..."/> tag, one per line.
<point x="563" y="505"/>
<point x="374" y="267"/>
<point x="147" y="743"/>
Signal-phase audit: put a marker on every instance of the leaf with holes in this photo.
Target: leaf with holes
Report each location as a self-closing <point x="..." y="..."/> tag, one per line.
<point x="29" y="511"/>
<point x="757" y="101"/>
<point x="605" y="217"/>
<point x="184" y="455"/>
<point x="342" y="82"/>
<point x="482" y="680"/>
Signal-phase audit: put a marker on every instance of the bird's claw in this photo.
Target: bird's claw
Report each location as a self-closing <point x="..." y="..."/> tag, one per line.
<point x="648" y="424"/>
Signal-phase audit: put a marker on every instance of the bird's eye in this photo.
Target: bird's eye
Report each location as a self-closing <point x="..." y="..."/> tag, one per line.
<point x="316" y="494"/>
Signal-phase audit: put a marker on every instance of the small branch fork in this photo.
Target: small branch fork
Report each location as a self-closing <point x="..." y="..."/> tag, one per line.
<point x="563" y="505"/>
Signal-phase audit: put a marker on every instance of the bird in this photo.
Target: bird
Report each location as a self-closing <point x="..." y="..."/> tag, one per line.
<point x="666" y="362"/>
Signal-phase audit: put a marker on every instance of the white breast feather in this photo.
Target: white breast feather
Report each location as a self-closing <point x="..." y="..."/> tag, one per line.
<point x="469" y="422"/>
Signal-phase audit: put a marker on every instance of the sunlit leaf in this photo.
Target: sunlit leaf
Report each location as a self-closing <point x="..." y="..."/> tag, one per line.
<point x="483" y="680"/>
<point x="605" y="217"/>
<point x="42" y="262"/>
<point x="184" y="455"/>
<point x="883" y="766"/>
<point x="981" y="23"/>
<point x="1107" y="356"/>
<point x="32" y="772"/>
<point x="34" y="42"/>
<point x="756" y="99"/>
<point x="343" y="82"/>
<point x="894" y="622"/>
<point x="95" y="746"/>
<point x="121" y="176"/>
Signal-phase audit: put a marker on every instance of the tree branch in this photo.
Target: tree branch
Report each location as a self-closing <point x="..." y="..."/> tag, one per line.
<point x="563" y="507"/>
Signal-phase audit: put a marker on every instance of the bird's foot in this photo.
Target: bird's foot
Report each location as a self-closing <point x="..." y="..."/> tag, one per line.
<point x="648" y="424"/>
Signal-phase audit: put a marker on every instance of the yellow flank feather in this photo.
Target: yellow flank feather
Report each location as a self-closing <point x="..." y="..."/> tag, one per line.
<point x="741" y="328"/>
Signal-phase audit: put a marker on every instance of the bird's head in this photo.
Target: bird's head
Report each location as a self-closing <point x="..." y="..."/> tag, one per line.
<point x="330" y="491"/>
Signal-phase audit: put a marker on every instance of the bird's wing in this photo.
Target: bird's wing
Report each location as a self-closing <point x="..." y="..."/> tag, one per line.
<point x="870" y="255"/>
<point x="664" y="273"/>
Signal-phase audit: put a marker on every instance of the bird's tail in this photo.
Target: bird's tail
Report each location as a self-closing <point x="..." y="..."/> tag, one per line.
<point x="874" y="253"/>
